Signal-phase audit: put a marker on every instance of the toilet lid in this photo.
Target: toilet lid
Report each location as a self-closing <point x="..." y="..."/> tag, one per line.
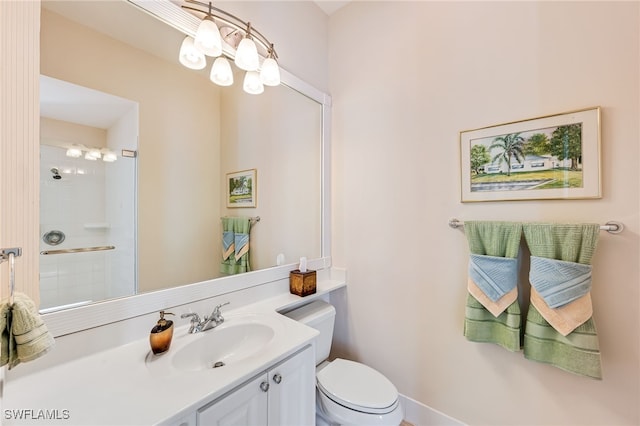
<point x="357" y="386"/>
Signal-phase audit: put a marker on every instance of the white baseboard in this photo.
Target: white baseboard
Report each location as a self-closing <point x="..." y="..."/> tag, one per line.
<point x="419" y="414"/>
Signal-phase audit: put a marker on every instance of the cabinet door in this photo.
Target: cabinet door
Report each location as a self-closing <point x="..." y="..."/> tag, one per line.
<point x="188" y="420"/>
<point x="246" y="406"/>
<point x="292" y="391"/>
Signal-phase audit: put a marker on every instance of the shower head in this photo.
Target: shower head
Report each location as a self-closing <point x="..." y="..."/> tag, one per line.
<point x="56" y="173"/>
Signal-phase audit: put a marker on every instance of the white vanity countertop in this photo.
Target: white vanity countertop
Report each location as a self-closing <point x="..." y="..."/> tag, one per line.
<point x="117" y="386"/>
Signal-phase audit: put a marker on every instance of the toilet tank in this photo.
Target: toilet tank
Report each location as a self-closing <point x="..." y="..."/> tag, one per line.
<point x="321" y="316"/>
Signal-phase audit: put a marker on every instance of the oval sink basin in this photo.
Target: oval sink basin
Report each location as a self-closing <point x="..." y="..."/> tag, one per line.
<point x="221" y="346"/>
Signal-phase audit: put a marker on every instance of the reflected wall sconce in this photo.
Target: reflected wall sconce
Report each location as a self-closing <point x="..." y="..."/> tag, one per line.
<point x="245" y="46"/>
<point x="74" y="152"/>
<point x="92" y="154"/>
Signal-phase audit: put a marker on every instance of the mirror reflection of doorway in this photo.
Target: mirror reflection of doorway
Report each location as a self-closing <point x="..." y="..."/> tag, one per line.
<point x="87" y="195"/>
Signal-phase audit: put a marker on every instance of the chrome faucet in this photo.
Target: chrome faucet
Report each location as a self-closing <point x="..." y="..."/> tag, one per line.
<point x="212" y="321"/>
<point x="195" y="322"/>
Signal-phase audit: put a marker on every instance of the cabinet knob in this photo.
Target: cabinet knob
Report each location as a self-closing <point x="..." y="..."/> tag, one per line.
<point x="264" y="386"/>
<point x="277" y="378"/>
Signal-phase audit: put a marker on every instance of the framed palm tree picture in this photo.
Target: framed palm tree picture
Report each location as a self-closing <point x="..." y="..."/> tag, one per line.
<point x="551" y="157"/>
<point x="242" y="188"/>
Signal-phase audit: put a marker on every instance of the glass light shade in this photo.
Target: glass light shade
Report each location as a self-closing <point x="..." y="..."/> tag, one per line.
<point x="270" y="72"/>
<point x="88" y="156"/>
<point x="190" y="56"/>
<point x="252" y="83"/>
<point x="94" y="153"/>
<point x="74" y="152"/>
<point x="221" y="73"/>
<point x="208" y="39"/>
<point x="247" y="55"/>
<point x="109" y="157"/>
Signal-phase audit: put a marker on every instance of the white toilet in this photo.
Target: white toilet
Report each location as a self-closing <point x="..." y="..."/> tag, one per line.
<point x="347" y="392"/>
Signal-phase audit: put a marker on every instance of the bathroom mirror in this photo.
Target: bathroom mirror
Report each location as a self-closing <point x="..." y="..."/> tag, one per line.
<point x="192" y="134"/>
<point x="88" y="186"/>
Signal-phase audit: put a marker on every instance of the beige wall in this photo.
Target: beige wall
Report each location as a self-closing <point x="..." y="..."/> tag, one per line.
<point x="298" y="29"/>
<point x="19" y="141"/>
<point x="61" y="133"/>
<point x="179" y="146"/>
<point x="278" y="134"/>
<point x="452" y="66"/>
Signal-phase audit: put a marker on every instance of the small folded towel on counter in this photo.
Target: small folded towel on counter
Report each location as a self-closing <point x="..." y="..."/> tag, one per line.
<point x="560" y="329"/>
<point x="25" y="337"/>
<point x="235" y="240"/>
<point x="492" y="313"/>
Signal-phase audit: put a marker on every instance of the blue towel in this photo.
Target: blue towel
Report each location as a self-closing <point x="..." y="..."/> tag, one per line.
<point x="496" y="276"/>
<point x="241" y="245"/>
<point x="564" y="337"/>
<point x="486" y="320"/>
<point x="235" y="240"/>
<point x="559" y="282"/>
<point x="228" y="244"/>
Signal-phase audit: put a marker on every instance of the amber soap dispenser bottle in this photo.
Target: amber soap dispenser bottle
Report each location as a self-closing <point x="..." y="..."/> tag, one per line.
<point x="161" y="334"/>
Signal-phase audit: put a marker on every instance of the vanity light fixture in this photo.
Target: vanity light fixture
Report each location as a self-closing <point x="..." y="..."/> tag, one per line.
<point x="221" y="73"/>
<point x="109" y="156"/>
<point x="252" y="83"/>
<point x="247" y="53"/>
<point x="225" y="36"/>
<point x="208" y="39"/>
<point x="74" y="152"/>
<point x="190" y="56"/>
<point x="92" y="154"/>
<point x="270" y="72"/>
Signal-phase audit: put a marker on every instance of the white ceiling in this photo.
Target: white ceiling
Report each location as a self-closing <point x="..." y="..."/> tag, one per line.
<point x="65" y="101"/>
<point x="330" y="6"/>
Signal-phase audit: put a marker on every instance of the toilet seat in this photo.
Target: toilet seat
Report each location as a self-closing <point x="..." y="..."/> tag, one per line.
<point x="357" y="387"/>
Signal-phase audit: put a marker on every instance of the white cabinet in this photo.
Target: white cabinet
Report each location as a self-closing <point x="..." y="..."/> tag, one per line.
<point x="188" y="420"/>
<point x="292" y="391"/>
<point x="283" y="395"/>
<point x="246" y="406"/>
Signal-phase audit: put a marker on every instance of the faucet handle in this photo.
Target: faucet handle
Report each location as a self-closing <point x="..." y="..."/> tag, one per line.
<point x="216" y="315"/>
<point x="217" y="308"/>
<point x="195" y="318"/>
<point x="195" y="321"/>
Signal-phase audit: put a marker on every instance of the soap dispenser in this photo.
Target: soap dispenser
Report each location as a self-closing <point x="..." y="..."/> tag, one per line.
<point x="161" y="334"/>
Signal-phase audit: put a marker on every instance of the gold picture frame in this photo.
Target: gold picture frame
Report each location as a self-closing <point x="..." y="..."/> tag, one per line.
<point x="551" y="157"/>
<point x="242" y="189"/>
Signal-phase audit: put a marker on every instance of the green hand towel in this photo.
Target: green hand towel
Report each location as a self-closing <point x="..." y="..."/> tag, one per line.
<point x="5" y="334"/>
<point x="500" y="239"/>
<point x="24" y="335"/>
<point x="577" y="352"/>
<point x="241" y="227"/>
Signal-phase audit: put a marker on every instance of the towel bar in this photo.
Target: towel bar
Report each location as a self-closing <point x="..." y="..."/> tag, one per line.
<point x="611" y="227"/>
<point x="254" y="220"/>
<point x="76" y="250"/>
<point x="11" y="254"/>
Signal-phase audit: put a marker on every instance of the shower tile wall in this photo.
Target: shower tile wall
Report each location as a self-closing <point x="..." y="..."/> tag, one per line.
<point x="75" y="205"/>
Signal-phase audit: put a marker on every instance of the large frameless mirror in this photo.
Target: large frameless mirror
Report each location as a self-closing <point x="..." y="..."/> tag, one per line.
<point x="186" y="137"/>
